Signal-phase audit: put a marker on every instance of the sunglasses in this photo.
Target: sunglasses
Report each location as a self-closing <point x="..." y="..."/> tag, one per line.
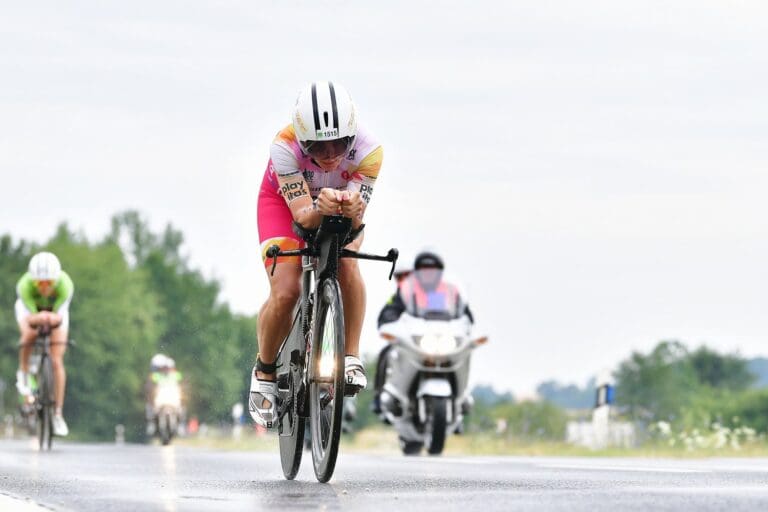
<point x="328" y="149"/>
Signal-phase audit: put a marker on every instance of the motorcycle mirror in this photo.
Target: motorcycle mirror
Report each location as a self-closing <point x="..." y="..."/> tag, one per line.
<point x="482" y="340"/>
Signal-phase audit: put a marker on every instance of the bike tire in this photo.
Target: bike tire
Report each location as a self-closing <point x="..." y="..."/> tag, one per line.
<point x="325" y="420"/>
<point x="290" y="378"/>
<point x="165" y="429"/>
<point x="436" y="428"/>
<point x="46" y="401"/>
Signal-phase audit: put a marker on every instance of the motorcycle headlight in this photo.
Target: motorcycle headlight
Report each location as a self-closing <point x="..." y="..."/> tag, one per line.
<point x="438" y="343"/>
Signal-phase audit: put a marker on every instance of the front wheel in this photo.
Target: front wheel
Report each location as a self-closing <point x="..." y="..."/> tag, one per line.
<point x="45" y="404"/>
<point x="437" y="415"/>
<point x="165" y="428"/>
<point x="326" y="388"/>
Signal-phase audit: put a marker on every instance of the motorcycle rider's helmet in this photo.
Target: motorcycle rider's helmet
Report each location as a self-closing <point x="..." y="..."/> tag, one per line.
<point x="44" y="266"/>
<point x="325" y="123"/>
<point x="428" y="268"/>
<point x="428" y="259"/>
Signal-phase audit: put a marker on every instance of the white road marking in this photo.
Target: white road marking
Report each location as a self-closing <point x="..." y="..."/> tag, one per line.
<point x="18" y="505"/>
<point x="645" y="469"/>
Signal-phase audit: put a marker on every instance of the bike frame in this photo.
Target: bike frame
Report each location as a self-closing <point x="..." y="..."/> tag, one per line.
<point x="320" y="264"/>
<point x="45" y="394"/>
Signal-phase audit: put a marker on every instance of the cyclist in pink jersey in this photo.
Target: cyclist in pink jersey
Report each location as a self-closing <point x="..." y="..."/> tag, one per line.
<point x="321" y="164"/>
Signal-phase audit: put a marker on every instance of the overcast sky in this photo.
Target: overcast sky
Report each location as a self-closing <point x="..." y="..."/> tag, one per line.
<point x="595" y="173"/>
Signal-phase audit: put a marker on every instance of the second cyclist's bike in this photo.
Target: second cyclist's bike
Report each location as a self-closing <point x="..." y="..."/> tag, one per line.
<point x="310" y="374"/>
<point x="44" y="393"/>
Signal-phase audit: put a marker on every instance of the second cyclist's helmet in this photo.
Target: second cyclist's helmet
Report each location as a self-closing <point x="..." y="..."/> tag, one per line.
<point x="44" y="266"/>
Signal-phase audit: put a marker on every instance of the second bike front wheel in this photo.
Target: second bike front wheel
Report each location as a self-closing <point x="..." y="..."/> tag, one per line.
<point x="326" y="387"/>
<point x="45" y="405"/>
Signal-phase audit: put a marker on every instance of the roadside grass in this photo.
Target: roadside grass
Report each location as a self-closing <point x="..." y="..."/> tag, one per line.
<point x="383" y="441"/>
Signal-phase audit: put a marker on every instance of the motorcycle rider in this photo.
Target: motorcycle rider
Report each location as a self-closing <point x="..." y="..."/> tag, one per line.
<point x="418" y="291"/>
<point x="43" y="296"/>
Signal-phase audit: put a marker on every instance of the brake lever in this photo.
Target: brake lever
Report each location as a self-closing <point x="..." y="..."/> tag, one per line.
<point x="392" y="256"/>
<point x="272" y="253"/>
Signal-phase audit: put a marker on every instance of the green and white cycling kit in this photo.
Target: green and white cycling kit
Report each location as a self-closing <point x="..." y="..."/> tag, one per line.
<point x="29" y="300"/>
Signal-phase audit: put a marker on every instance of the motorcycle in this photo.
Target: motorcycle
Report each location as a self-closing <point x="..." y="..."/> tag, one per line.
<point x="167" y="404"/>
<point x="425" y="393"/>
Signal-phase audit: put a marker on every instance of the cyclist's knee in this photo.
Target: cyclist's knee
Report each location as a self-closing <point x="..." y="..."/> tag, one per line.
<point x="28" y="335"/>
<point x="349" y="271"/>
<point x="284" y="295"/>
<point x="57" y="361"/>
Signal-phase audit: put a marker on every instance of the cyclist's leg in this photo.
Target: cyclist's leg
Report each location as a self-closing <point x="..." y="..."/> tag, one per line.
<point x="353" y="294"/>
<point x="275" y="228"/>
<point x="27" y="335"/>
<point x="274" y="222"/>
<point x="275" y="315"/>
<point x="58" y="348"/>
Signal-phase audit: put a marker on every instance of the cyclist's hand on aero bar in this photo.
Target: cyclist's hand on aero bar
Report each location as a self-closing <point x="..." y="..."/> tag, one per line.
<point x="329" y="201"/>
<point x="352" y="204"/>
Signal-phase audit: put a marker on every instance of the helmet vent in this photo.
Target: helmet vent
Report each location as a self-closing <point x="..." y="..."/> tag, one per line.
<point x="325" y="117"/>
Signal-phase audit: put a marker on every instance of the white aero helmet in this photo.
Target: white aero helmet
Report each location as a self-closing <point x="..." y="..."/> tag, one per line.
<point x="44" y="266"/>
<point x="324" y="119"/>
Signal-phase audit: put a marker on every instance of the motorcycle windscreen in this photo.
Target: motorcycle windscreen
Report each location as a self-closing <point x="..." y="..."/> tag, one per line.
<point x="427" y="295"/>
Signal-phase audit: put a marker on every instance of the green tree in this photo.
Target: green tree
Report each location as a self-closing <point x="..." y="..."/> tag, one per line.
<point x="656" y="386"/>
<point x="135" y="295"/>
<point x="723" y="371"/>
<point x="201" y="334"/>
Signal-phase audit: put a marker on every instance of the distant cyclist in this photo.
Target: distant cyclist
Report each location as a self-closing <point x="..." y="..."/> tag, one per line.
<point x="162" y="371"/>
<point x="322" y="163"/>
<point x="43" y="296"/>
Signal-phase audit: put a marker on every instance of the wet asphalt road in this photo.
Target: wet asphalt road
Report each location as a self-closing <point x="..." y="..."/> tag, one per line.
<point x="132" y="477"/>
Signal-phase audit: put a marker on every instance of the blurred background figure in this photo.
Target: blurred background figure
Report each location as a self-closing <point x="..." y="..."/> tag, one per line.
<point x="44" y="293"/>
<point x="164" y="412"/>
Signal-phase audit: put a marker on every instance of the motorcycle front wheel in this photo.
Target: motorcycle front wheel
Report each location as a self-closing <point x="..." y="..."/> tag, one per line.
<point x="437" y="422"/>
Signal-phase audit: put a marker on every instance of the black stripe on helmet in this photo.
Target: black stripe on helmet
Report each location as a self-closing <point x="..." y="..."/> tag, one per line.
<point x="314" y="106"/>
<point x="333" y="106"/>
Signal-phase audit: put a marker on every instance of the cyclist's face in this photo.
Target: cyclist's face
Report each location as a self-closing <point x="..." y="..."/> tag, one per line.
<point x="330" y="153"/>
<point x="45" y="287"/>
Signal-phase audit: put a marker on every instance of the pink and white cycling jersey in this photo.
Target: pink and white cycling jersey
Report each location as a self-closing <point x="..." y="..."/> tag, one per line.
<point x="357" y="172"/>
<point x="291" y="174"/>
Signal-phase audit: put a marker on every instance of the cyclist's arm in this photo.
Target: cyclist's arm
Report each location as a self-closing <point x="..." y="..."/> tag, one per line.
<point x="364" y="178"/>
<point x="293" y="187"/>
<point x="65" y="288"/>
<point x="24" y="289"/>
